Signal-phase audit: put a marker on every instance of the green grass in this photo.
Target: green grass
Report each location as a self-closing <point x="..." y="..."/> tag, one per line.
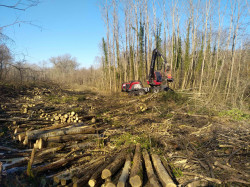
<point x="235" y="114"/>
<point x="171" y="96"/>
<point x="128" y="138"/>
<point x="81" y="98"/>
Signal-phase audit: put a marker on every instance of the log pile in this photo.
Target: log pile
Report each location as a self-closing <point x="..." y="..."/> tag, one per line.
<point x="75" y="168"/>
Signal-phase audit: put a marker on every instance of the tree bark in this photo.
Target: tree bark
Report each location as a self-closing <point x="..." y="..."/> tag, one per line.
<point x="136" y="175"/>
<point x="114" y="166"/>
<point x="161" y="171"/>
<point x="150" y="172"/>
<point x="55" y="165"/>
<point x="125" y="172"/>
<point x="60" y="132"/>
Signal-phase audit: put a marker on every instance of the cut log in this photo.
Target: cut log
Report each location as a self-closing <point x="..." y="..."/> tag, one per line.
<point x="162" y="173"/>
<point x="21" y="136"/>
<point x="67" y="138"/>
<point x="60" y="132"/>
<point x="95" y="179"/>
<point x="82" y="178"/>
<point x="14" y="155"/>
<point x="125" y="172"/>
<point x="18" y="163"/>
<point x="53" y="127"/>
<point x="167" y="167"/>
<point x="82" y="145"/>
<point x="110" y="184"/>
<point x="136" y="176"/>
<point x="55" y="165"/>
<point x="112" y="168"/>
<point x="92" y="165"/>
<point x="9" y="149"/>
<point x="39" y="144"/>
<point x="150" y="172"/>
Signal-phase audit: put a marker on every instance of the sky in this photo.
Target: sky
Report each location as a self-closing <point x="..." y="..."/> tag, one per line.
<point x="62" y="27"/>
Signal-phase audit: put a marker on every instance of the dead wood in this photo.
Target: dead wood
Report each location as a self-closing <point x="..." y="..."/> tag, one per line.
<point x="2" y="120"/>
<point x="167" y="167"/>
<point x="95" y="179"/>
<point x="82" y="145"/>
<point x="82" y="178"/>
<point x="66" y="138"/>
<point x="217" y="181"/>
<point x="112" y="168"/>
<point x="45" y="152"/>
<point x="55" y="165"/>
<point x="20" y="162"/>
<point x="60" y="132"/>
<point x="136" y="175"/>
<point x="236" y="180"/>
<point x="91" y="166"/>
<point x="229" y="169"/>
<point x="14" y="155"/>
<point x="161" y="171"/>
<point x="125" y="172"/>
<point x="149" y="168"/>
<point x="9" y="149"/>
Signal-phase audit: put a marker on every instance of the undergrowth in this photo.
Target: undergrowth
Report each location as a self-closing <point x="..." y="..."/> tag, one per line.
<point x="171" y="96"/>
<point x="235" y="114"/>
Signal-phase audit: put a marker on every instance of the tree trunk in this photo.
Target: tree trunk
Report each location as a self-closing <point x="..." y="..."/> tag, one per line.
<point x="114" y="166"/>
<point x="161" y="171"/>
<point x="136" y="175"/>
<point x="150" y="172"/>
<point x="125" y="172"/>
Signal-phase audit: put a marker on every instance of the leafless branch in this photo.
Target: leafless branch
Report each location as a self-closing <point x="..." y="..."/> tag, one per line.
<point x="22" y="5"/>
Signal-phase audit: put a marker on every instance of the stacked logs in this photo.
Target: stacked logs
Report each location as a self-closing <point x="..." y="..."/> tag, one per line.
<point x="61" y="118"/>
<point x="48" y="135"/>
<point x="78" y="169"/>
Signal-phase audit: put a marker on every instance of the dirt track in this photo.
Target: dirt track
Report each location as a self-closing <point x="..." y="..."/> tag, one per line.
<point x="200" y="149"/>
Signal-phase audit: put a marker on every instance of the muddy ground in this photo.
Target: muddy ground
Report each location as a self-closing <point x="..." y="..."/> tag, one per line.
<point x="198" y="144"/>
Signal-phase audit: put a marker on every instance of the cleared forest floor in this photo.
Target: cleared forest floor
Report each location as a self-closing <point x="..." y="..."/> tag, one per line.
<point x="198" y="147"/>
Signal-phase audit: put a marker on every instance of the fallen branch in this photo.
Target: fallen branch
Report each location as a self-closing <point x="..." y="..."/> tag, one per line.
<point x="217" y="181"/>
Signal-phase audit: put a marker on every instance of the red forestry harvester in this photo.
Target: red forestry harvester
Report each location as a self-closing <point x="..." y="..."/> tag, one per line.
<point x="155" y="79"/>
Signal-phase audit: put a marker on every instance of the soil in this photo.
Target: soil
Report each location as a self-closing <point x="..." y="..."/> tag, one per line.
<point x="190" y="141"/>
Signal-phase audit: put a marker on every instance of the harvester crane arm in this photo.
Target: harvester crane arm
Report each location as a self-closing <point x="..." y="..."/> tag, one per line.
<point x="153" y="60"/>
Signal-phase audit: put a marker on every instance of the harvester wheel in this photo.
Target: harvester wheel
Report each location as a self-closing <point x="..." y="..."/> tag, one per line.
<point x="141" y="92"/>
<point x="156" y="89"/>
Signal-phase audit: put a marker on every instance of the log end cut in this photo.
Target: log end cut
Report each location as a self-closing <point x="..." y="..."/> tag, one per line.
<point x="92" y="182"/>
<point x="106" y="173"/>
<point x="135" y="181"/>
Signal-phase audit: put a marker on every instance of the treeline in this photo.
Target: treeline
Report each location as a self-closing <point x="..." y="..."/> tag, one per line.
<point x="63" y="69"/>
<point x="205" y="41"/>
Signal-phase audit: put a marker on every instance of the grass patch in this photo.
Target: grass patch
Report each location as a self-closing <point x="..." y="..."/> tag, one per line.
<point x="127" y="139"/>
<point x="177" y="172"/>
<point x="235" y="114"/>
<point x="171" y="96"/>
<point x="81" y="98"/>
